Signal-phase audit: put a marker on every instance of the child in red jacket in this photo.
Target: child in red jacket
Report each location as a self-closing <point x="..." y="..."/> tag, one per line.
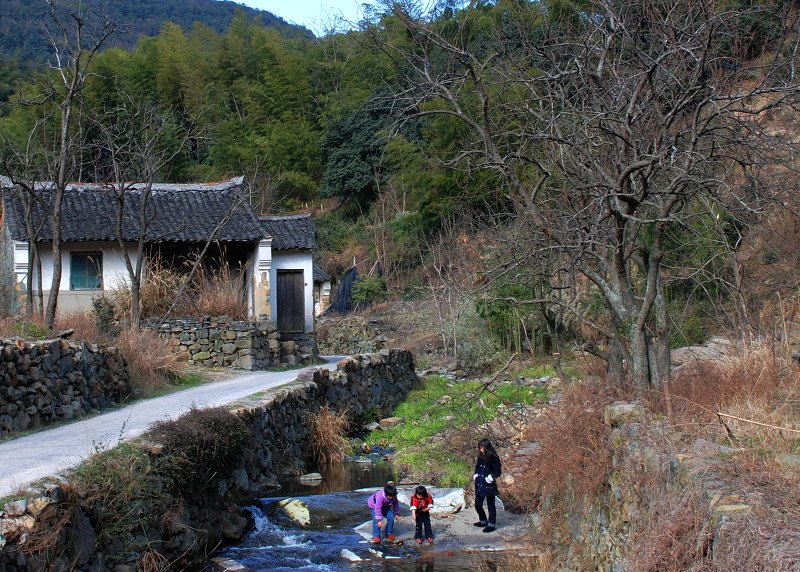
<point x="421" y="503"/>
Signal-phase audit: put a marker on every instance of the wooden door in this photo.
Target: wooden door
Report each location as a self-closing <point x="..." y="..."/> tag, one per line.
<point x="291" y="301"/>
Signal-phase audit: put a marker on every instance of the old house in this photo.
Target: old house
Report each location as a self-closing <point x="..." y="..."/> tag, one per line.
<point x="275" y="252"/>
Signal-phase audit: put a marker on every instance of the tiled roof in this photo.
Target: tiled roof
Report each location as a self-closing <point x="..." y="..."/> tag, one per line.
<point x="289" y="232"/>
<point x="176" y="213"/>
<point x="320" y="275"/>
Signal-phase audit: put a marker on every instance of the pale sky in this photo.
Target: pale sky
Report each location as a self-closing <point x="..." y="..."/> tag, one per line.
<point x="316" y="15"/>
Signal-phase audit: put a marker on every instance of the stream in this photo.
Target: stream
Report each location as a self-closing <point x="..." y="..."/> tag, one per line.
<point x="278" y="544"/>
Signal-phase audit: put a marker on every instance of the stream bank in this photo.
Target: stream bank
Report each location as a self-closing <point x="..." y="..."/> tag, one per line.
<point x="170" y="498"/>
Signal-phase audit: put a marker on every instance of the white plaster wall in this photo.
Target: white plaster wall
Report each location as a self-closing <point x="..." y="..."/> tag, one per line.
<point x="295" y="260"/>
<point x="114" y="271"/>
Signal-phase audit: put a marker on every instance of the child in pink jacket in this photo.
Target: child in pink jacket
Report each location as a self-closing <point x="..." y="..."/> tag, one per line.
<point x="384" y="506"/>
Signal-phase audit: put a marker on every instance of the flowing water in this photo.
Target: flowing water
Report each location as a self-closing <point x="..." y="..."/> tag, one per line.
<point x="277" y="544"/>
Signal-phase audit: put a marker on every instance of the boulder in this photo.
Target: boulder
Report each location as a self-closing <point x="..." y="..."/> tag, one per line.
<point x="349" y="555"/>
<point x="445" y="500"/>
<point x="15" y="508"/>
<point x="789" y="461"/>
<point x="390" y="422"/>
<point x="234" y="527"/>
<point x="317" y="512"/>
<point x="618" y="413"/>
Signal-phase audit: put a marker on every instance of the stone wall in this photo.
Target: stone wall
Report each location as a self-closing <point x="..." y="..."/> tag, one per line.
<point x="346" y="335"/>
<point x="182" y="528"/>
<point x="282" y="422"/>
<point x="48" y="381"/>
<point x="651" y="487"/>
<point x="224" y="342"/>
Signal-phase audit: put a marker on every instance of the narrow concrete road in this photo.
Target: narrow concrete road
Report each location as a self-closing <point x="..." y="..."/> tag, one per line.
<point x="51" y="451"/>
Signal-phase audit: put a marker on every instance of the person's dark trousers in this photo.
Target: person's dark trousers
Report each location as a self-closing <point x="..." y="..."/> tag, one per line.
<point x="490" y="505"/>
<point x="423" y="518"/>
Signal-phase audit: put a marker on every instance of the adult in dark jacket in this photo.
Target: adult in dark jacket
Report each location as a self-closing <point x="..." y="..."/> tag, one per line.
<point x="487" y="471"/>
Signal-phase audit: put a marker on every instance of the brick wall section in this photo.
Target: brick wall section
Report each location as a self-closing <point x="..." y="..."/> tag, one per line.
<point x="52" y="380"/>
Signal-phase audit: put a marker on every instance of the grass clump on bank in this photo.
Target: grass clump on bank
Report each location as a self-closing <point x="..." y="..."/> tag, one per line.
<point x="444" y="419"/>
<point x="328" y="430"/>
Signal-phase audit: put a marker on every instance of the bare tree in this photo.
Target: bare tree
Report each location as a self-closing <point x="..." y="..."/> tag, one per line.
<point x="74" y="45"/>
<point x="605" y="125"/>
<point x="23" y="165"/>
<point x="137" y="140"/>
<point x="75" y="37"/>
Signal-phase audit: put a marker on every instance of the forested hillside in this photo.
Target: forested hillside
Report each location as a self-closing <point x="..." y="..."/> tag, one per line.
<point x="21" y="21"/>
<point x="601" y="179"/>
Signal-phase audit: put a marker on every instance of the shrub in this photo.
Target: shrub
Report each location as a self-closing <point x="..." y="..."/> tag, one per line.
<point x="105" y="315"/>
<point x="754" y="382"/>
<point x="118" y="488"/>
<point x="200" y="448"/>
<point x="369" y="289"/>
<point x="511" y="325"/>
<point x="328" y="430"/>
<point x="574" y="456"/>
<point x="475" y="348"/>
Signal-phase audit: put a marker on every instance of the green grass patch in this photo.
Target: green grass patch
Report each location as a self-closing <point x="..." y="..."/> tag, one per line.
<point x="441" y="407"/>
<point x="536" y="371"/>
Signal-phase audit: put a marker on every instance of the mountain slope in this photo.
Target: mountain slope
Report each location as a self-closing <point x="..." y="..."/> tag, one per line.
<point x="21" y="21"/>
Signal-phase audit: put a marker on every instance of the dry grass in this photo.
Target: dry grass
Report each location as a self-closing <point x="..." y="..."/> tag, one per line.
<point x="151" y="364"/>
<point x="85" y="326"/>
<point x="756" y="384"/>
<point x="328" y="430"/>
<point x="211" y="293"/>
<point x="47" y="533"/>
<point x="220" y="293"/>
<point x="769" y="537"/>
<point x="574" y="454"/>
<point x="152" y="561"/>
<point x="678" y="532"/>
<point x="675" y="534"/>
<point x="159" y="288"/>
<point x="24" y="327"/>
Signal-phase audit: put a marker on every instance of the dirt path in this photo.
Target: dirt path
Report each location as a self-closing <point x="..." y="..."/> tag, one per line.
<point x="26" y="459"/>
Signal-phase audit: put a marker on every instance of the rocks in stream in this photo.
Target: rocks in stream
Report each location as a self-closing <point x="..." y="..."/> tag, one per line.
<point x="316" y="512"/>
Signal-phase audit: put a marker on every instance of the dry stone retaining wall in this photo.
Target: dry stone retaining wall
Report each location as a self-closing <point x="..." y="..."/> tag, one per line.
<point x="345" y="335"/>
<point x="224" y="342"/>
<point x="282" y="422"/>
<point x="279" y="441"/>
<point x="47" y="381"/>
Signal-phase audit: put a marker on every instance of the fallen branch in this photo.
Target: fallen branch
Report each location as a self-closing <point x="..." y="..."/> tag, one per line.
<point x="757" y="423"/>
<point x="498" y="373"/>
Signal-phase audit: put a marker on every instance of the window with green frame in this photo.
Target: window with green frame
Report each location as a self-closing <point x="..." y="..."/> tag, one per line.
<point x="86" y="271"/>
